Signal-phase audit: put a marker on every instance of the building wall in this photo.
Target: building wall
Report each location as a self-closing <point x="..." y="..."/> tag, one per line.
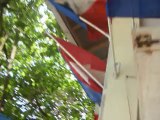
<point x="120" y="94"/>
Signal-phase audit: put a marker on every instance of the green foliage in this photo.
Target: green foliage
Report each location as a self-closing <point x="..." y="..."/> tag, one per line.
<point x="38" y="85"/>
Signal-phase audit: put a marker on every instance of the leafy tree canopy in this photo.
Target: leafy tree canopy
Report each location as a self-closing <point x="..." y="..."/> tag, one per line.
<point x="35" y="82"/>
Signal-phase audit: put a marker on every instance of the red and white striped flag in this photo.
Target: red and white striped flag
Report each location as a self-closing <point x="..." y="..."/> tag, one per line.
<point x="96" y="67"/>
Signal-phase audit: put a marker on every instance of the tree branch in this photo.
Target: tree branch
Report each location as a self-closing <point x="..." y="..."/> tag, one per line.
<point x="7" y="78"/>
<point x="9" y="66"/>
<point x="3" y="37"/>
<point x="3" y="4"/>
<point x="40" y="109"/>
<point x="1" y="21"/>
<point x="2" y="42"/>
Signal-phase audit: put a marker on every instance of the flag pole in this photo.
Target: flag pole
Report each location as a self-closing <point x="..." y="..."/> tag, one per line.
<point x="95" y="27"/>
<point x="82" y="67"/>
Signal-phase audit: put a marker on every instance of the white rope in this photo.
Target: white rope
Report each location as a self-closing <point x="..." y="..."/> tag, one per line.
<point x="82" y="67"/>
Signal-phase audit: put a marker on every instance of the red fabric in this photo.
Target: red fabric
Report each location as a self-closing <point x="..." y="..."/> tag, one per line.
<point x="95" y="117"/>
<point x="97" y="15"/>
<point x="92" y="84"/>
<point x="84" y="58"/>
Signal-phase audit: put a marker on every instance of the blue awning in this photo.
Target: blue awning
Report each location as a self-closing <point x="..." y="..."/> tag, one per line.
<point x="134" y="8"/>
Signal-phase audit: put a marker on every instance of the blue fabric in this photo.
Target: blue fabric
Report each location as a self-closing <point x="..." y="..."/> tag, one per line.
<point x="119" y="8"/>
<point x="94" y="96"/>
<point x="134" y="8"/>
<point x="3" y="117"/>
<point x="68" y="12"/>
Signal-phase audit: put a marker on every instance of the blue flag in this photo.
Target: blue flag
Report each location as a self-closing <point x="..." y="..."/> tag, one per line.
<point x="93" y="95"/>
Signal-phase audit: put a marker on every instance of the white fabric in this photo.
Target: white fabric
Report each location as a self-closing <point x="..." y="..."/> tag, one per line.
<point x="78" y="6"/>
<point x="97" y="107"/>
<point x="99" y="75"/>
<point x="82" y="74"/>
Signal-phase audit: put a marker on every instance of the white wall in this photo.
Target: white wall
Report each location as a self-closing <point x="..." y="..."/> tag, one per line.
<point x="120" y="96"/>
<point x="150" y="22"/>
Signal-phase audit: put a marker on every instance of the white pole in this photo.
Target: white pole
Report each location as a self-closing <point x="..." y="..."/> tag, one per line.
<point x="95" y="27"/>
<point x="82" y="67"/>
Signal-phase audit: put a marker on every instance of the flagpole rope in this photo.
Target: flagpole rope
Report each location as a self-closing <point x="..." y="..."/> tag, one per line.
<point x="82" y="67"/>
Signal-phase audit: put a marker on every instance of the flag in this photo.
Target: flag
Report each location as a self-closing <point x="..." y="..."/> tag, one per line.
<point x="97" y="15"/>
<point x="90" y="62"/>
<point x="134" y="8"/>
<point x="93" y="11"/>
<point x="67" y="12"/>
<point x="96" y="112"/>
<point x="95" y="116"/>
